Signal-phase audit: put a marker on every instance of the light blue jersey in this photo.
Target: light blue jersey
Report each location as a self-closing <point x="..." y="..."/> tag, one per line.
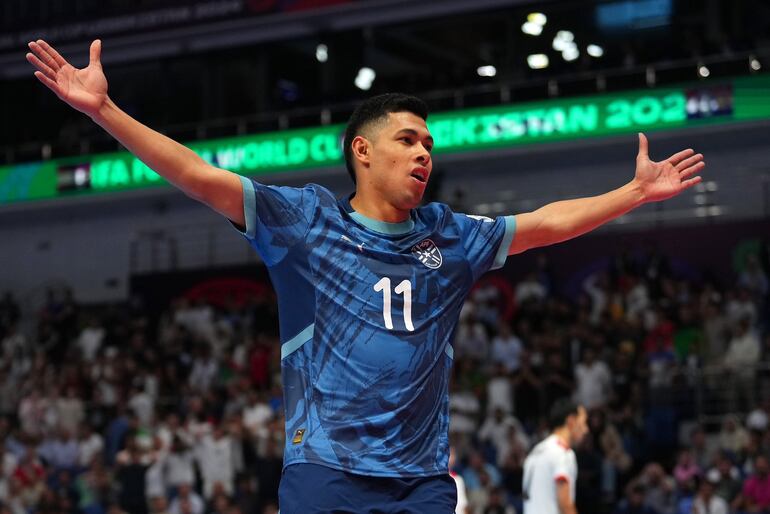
<point x="368" y="312"/>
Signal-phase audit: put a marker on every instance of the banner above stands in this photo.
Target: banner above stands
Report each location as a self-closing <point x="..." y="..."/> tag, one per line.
<point x="740" y="99"/>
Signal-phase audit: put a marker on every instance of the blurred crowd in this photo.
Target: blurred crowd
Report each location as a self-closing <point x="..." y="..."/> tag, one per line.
<point x="113" y="409"/>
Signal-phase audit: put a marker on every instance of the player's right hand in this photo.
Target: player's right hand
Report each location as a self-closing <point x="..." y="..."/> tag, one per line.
<point x="84" y="89"/>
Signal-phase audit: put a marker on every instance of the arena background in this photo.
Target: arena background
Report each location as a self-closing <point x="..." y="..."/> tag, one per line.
<point x="128" y="304"/>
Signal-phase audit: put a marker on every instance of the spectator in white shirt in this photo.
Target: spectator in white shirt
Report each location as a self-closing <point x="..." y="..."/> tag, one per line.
<point x="90" y="445"/>
<point x="706" y="502"/>
<point x="740" y="361"/>
<point x="216" y="462"/>
<point x="187" y="501"/>
<point x="529" y="289"/>
<point x="143" y="406"/>
<point x="503" y="430"/>
<point x="257" y="414"/>
<point x="204" y="370"/>
<point x="70" y="410"/>
<point x="593" y="380"/>
<point x="500" y="391"/>
<point x="179" y="465"/>
<point x="90" y="339"/>
<point x="506" y="348"/>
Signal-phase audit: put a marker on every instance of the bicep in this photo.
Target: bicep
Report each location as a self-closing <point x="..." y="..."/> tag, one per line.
<point x="222" y="190"/>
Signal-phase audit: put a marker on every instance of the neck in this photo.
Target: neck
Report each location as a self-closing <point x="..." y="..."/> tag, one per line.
<point x="377" y="209"/>
<point x="563" y="434"/>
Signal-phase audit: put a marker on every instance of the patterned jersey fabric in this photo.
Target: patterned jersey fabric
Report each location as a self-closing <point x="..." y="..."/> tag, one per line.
<point x="367" y="313"/>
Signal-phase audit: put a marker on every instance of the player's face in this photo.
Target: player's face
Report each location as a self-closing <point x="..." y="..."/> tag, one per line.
<point x="578" y="426"/>
<point x="401" y="160"/>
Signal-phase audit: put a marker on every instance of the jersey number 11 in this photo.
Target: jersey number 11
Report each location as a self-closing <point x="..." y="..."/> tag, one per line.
<point x="404" y="288"/>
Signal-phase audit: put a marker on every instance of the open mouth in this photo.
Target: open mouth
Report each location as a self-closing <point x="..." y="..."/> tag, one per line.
<point x="420" y="174"/>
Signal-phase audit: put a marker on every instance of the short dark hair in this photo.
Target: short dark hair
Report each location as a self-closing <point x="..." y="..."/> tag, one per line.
<point x="560" y="411"/>
<point x="372" y="110"/>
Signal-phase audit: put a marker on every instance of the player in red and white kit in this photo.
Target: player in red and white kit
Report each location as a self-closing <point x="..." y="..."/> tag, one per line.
<point x="550" y="470"/>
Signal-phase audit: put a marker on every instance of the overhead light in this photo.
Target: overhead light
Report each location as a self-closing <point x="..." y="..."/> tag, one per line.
<point x="322" y="53"/>
<point x="537" y="18"/>
<point x="532" y="29"/>
<point x="537" y="61"/>
<point x="570" y="53"/>
<point x="703" y="71"/>
<point x="595" y="50"/>
<point x="562" y="39"/>
<point x="365" y="78"/>
<point x="486" y="71"/>
<point x="755" y="64"/>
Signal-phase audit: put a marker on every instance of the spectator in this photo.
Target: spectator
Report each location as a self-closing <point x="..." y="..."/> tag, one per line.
<point x="726" y="478"/>
<point x="476" y="468"/>
<point x="740" y="306"/>
<point x="60" y="451"/>
<point x="502" y="430"/>
<point x="530" y="289"/>
<point x="615" y="459"/>
<point x="496" y="503"/>
<point x="659" y="488"/>
<point x="755" y="495"/>
<point x="500" y="391"/>
<point x="733" y="437"/>
<point x="527" y="391"/>
<point x="597" y="287"/>
<point x="557" y="378"/>
<point x="506" y="348"/>
<point x="686" y="470"/>
<point x="471" y="339"/>
<point x="132" y="464"/>
<point x="187" y="501"/>
<point x="706" y="502"/>
<point x="703" y="448"/>
<point x="716" y="334"/>
<point x="143" y="405"/>
<point x="71" y="411"/>
<point x="256" y="414"/>
<point x="592" y="380"/>
<point x="179" y="465"/>
<point x="216" y="462"/>
<point x="634" y="503"/>
<point x="90" y="339"/>
<point x="742" y="355"/>
<point x="204" y="369"/>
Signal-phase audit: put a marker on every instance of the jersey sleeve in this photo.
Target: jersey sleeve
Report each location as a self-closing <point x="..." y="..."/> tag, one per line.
<point x="486" y="240"/>
<point x="561" y="467"/>
<point x="277" y="217"/>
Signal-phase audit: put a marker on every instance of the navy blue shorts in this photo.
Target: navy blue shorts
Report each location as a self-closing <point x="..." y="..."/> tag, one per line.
<point x="314" y="489"/>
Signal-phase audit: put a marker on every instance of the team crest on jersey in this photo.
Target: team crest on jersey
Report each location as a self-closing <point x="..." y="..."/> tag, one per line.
<point x="428" y="253"/>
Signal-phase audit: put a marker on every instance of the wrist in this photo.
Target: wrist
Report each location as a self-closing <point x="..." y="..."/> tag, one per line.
<point x="637" y="193"/>
<point x="103" y="111"/>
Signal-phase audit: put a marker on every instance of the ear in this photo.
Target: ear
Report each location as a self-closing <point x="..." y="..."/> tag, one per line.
<point x="361" y="150"/>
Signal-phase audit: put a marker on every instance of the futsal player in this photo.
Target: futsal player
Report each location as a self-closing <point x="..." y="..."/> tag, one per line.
<point x="369" y="288"/>
<point x="550" y="469"/>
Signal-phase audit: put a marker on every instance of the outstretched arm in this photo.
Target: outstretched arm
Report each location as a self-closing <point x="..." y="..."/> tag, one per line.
<point x="653" y="182"/>
<point x="86" y="90"/>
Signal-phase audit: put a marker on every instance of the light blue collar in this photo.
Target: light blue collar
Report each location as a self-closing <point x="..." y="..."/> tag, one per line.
<point x="383" y="227"/>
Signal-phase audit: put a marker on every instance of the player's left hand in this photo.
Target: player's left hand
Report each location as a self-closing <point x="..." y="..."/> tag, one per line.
<point x="664" y="179"/>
